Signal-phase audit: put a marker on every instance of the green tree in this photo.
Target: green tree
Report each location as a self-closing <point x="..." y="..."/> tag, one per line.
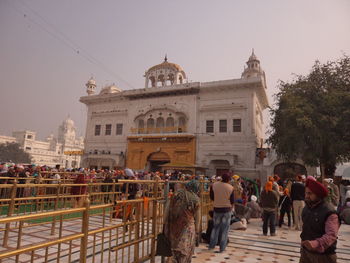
<point x="311" y="118"/>
<point x="12" y="152"/>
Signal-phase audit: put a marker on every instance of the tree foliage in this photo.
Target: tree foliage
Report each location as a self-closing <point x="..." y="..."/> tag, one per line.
<point x="12" y="152"/>
<point x="311" y="118"/>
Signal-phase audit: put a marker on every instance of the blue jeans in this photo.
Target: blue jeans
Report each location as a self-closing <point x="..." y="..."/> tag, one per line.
<point x="220" y="230"/>
<point x="269" y="219"/>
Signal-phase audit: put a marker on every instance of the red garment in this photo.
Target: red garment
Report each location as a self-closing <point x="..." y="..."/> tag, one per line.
<point x="79" y="190"/>
<point x="317" y="188"/>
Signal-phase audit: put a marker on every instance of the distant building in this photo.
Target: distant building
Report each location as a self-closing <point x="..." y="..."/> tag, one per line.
<point x="65" y="150"/>
<point x="217" y="125"/>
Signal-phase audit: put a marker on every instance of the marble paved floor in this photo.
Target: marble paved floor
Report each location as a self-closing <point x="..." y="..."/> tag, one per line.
<point x="251" y="246"/>
<point x="245" y="246"/>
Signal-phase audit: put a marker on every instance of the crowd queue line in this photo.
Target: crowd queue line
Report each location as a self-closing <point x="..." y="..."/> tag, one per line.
<point x="291" y="198"/>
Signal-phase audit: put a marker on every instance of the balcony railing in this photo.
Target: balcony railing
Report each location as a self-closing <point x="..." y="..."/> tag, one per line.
<point x="156" y="130"/>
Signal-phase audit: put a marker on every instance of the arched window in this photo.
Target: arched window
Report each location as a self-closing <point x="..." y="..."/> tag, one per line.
<point x="160" y="122"/>
<point x="161" y="79"/>
<point x="159" y="125"/>
<point x="170" y="122"/>
<point x="153" y="81"/>
<point x="182" y="121"/>
<point x="141" y="126"/>
<point x="150" y="123"/>
<point x="182" y="125"/>
<point x="170" y="79"/>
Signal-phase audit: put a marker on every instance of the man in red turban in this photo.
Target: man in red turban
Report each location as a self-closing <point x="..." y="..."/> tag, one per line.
<point x="320" y="226"/>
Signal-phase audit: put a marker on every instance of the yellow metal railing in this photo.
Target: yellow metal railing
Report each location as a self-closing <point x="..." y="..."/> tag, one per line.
<point x="119" y="230"/>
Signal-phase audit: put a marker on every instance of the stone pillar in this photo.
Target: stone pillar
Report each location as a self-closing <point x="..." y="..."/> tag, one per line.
<point x="146" y="81"/>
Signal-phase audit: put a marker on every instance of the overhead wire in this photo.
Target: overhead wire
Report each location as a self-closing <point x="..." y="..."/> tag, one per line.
<point x="63" y="38"/>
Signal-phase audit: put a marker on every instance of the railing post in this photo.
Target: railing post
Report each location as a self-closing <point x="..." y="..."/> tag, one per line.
<point x="85" y="231"/>
<point x="10" y="212"/>
<point x="55" y="208"/>
<point x="166" y="193"/>
<point x="154" y="222"/>
<point x="137" y="232"/>
<point x="201" y="207"/>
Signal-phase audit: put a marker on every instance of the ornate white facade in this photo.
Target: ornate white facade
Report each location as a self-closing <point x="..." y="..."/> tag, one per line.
<point x="159" y="123"/>
<point x="53" y="150"/>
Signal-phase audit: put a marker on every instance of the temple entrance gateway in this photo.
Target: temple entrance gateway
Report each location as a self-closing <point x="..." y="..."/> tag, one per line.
<point x="219" y="167"/>
<point x="289" y="170"/>
<point x="156" y="159"/>
<point x="149" y="152"/>
<point x="221" y="172"/>
<point x="155" y="165"/>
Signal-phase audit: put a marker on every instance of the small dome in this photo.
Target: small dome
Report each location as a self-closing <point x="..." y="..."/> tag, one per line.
<point x="50" y="137"/>
<point x="91" y="81"/>
<point x="253" y="56"/>
<point x="110" y="89"/>
<point x="68" y="122"/>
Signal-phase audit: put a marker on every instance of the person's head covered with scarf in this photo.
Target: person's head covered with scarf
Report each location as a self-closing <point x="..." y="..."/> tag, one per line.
<point x="192" y="186"/>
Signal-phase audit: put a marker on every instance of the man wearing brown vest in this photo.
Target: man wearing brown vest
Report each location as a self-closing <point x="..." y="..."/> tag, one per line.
<point x="222" y="195"/>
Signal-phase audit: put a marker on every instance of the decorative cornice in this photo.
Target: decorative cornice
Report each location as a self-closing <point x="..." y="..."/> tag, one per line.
<point x="222" y="107"/>
<point x="161" y="138"/>
<point x="107" y="113"/>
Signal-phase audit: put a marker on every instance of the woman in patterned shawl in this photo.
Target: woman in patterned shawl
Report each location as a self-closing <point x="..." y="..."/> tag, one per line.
<point x="181" y="222"/>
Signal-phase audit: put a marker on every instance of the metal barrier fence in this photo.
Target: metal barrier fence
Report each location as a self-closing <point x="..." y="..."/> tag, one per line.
<point x="106" y="228"/>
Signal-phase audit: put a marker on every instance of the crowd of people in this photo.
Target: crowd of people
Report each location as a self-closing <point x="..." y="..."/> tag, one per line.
<point x="314" y="208"/>
<point x="302" y="204"/>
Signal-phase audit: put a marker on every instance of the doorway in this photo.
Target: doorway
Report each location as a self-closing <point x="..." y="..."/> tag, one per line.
<point x="155" y="165"/>
<point x="156" y="159"/>
<point x="289" y="170"/>
<point x="221" y="172"/>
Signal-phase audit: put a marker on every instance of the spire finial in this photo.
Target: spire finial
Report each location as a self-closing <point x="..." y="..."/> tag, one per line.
<point x="253" y="51"/>
<point x="166" y="58"/>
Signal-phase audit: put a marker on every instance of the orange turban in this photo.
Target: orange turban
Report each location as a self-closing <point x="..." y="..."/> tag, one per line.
<point x="268" y="186"/>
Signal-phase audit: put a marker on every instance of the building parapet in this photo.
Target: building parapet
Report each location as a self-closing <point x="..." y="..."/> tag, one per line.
<point x="156" y="130"/>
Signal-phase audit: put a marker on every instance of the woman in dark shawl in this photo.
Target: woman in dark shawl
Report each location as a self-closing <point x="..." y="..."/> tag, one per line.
<point x="181" y="222"/>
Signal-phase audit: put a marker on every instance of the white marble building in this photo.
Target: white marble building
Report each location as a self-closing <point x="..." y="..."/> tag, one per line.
<point x="53" y="150"/>
<point x="217" y="125"/>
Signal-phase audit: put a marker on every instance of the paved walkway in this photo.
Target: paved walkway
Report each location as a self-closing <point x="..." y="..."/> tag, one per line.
<point x="251" y="246"/>
<point x="245" y="246"/>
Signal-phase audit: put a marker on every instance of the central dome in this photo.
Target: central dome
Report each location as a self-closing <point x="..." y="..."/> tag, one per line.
<point x="166" y="65"/>
<point x="164" y="74"/>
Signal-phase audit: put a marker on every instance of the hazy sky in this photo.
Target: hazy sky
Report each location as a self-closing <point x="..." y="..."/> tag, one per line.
<point x="49" y="49"/>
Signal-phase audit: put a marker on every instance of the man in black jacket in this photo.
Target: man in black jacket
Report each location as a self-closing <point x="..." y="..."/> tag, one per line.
<point x="320" y="226"/>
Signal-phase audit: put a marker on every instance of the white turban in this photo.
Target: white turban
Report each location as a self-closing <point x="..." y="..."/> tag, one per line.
<point x="253" y="198"/>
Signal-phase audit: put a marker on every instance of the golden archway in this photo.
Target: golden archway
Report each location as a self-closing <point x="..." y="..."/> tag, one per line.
<point x="163" y="148"/>
<point x="159" y="156"/>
